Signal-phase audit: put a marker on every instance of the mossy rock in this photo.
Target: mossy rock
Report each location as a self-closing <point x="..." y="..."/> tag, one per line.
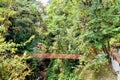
<point x="105" y="73"/>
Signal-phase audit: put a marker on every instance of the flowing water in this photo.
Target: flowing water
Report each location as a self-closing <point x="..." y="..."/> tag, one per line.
<point x="116" y="65"/>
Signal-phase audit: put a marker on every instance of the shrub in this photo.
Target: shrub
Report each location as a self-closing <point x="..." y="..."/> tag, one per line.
<point x="13" y="68"/>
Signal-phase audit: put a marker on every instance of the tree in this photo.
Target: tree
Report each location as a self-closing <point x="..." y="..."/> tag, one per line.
<point x="83" y="26"/>
<point x="20" y="18"/>
<point x="88" y="24"/>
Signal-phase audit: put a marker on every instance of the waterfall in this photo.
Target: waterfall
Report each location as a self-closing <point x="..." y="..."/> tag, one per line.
<point x="115" y="64"/>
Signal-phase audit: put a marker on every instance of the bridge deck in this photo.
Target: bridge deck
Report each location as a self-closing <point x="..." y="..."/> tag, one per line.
<point x="54" y="56"/>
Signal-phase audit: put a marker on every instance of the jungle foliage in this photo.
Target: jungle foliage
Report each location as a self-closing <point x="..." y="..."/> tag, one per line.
<point x="86" y="27"/>
<point x="19" y="18"/>
<point x="81" y="25"/>
<point x="14" y="68"/>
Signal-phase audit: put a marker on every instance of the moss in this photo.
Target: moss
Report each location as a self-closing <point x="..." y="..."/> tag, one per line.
<point x="87" y="74"/>
<point x="105" y="73"/>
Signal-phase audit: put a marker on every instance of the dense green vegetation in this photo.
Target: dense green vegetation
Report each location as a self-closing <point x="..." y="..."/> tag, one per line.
<point x="86" y="27"/>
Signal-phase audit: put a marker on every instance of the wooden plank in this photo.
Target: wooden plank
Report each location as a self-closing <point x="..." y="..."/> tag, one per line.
<point x="54" y="56"/>
<point x="48" y="56"/>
